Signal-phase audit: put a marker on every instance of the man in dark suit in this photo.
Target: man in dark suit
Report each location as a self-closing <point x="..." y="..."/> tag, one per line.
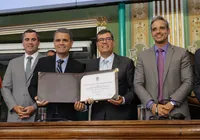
<point x="197" y="74"/>
<point x="62" y="42"/>
<point x="124" y="108"/>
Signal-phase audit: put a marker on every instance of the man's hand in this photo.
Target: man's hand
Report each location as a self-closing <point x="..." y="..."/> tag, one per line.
<point x="19" y="109"/>
<point x="41" y="103"/>
<point x="79" y="106"/>
<point x="116" y="102"/>
<point x="163" y="110"/>
<point x="169" y="106"/>
<point x="28" y="111"/>
<point x="90" y="101"/>
<point x="153" y="109"/>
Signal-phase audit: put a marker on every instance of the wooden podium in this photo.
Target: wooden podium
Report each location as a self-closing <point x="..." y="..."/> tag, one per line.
<point x="138" y="130"/>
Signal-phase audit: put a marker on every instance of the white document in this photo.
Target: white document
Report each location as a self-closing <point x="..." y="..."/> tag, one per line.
<point x="100" y="86"/>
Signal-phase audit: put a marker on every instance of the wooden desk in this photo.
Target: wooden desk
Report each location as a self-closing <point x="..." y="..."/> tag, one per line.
<point x="139" y="130"/>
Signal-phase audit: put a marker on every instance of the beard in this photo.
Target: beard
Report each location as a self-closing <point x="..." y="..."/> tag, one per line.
<point x="161" y="41"/>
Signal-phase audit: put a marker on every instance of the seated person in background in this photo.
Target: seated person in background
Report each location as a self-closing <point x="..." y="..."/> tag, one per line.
<point x="125" y="107"/>
<point x="192" y="97"/>
<point x="197" y="74"/>
<point x="51" y="53"/>
<point x="63" y="41"/>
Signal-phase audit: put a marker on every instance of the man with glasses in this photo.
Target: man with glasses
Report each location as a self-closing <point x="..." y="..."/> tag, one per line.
<point x="163" y="75"/>
<point x="124" y="108"/>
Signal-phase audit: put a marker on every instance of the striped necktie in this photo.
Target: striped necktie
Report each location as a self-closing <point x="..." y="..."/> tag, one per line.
<point x="59" y="66"/>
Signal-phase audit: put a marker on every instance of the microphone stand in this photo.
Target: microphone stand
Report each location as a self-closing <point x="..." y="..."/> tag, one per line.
<point x="89" y="106"/>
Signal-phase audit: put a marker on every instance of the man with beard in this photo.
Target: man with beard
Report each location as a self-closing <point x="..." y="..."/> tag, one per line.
<point x="163" y="75"/>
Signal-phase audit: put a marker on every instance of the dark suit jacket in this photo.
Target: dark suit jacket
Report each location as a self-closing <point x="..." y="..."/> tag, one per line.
<point x="197" y="74"/>
<point x="104" y="110"/>
<point x="47" y="64"/>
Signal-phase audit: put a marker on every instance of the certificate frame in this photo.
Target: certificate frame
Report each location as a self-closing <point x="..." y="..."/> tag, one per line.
<point x="66" y="87"/>
<point x="101" y="85"/>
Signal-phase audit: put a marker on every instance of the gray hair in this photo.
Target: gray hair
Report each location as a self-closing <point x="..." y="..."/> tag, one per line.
<point x="63" y="30"/>
<point x="160" y="18"/>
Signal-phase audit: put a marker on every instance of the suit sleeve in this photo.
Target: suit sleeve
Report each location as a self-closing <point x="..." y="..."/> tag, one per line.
<point x="139" y="82"/>
<point x="34" y="83"/>
<point x="7" y="88"/>
<point x="197" y="74"/>
<point x="186" y="79"/>
<point x="130" y="95"/>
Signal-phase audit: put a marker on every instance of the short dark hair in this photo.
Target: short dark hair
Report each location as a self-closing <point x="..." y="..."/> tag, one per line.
<point x="160" y="18"/>
<point x="51" y="51"/>
<point x="63" y="30"/>
<point x="104" y="31"/>
<point x="30" y="31"/>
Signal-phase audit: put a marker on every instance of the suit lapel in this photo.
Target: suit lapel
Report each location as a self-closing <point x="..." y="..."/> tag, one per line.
<point x="33" y="67"/>
<point x="116" y="62"/>
<point x="153" y="64"/>
<point x="51" y="66"/>
<point x="95" y="64"/>
<point x="21" y="65"/>
<point x="169" y="55"/>
<point x="69" y="66"/>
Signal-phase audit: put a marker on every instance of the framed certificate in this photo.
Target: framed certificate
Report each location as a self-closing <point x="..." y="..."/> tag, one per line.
<point x="72" y="87"/>
<point x="99" y="86"/>
<point x="59" y="87"/>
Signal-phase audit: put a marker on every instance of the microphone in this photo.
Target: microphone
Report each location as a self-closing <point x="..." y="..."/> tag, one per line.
<point x="176" y="116"/>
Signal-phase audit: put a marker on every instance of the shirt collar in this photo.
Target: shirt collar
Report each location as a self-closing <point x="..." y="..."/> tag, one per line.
<point x="33" y="55"/>
<point x="164" y="48"/>
<point x="110" y="58"/>
<point x="65" y="59"/>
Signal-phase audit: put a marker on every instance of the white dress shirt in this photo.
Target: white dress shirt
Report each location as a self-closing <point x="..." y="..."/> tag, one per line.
<point x="34" y="56"/>
<point x="108" y="64"/>
<point x="64" y="64"/>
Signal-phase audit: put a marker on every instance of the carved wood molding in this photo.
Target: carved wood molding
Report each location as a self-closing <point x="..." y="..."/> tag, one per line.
<point x="76" y="24"/>
<point x="102" y="130"/>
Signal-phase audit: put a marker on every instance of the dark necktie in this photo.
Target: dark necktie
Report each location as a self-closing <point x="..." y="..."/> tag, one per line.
<point x="59" y="66"/>
<point x="28" y="65"/>
<point x="160" y="74"/>
<point x="59" y="70"/>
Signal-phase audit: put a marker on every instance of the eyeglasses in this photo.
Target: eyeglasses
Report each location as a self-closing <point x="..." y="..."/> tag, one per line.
<point x="107" y="39"/>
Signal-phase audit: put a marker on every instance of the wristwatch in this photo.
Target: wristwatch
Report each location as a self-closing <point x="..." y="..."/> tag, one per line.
<point x="156" y="110"/>
<point x="172" y="103"/>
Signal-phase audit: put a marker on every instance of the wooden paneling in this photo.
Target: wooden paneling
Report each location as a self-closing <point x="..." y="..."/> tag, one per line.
<point x="138" y="130"/>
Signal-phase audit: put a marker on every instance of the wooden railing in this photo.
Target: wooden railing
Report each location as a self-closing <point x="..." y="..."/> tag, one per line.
<point x="138" y="130"/>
